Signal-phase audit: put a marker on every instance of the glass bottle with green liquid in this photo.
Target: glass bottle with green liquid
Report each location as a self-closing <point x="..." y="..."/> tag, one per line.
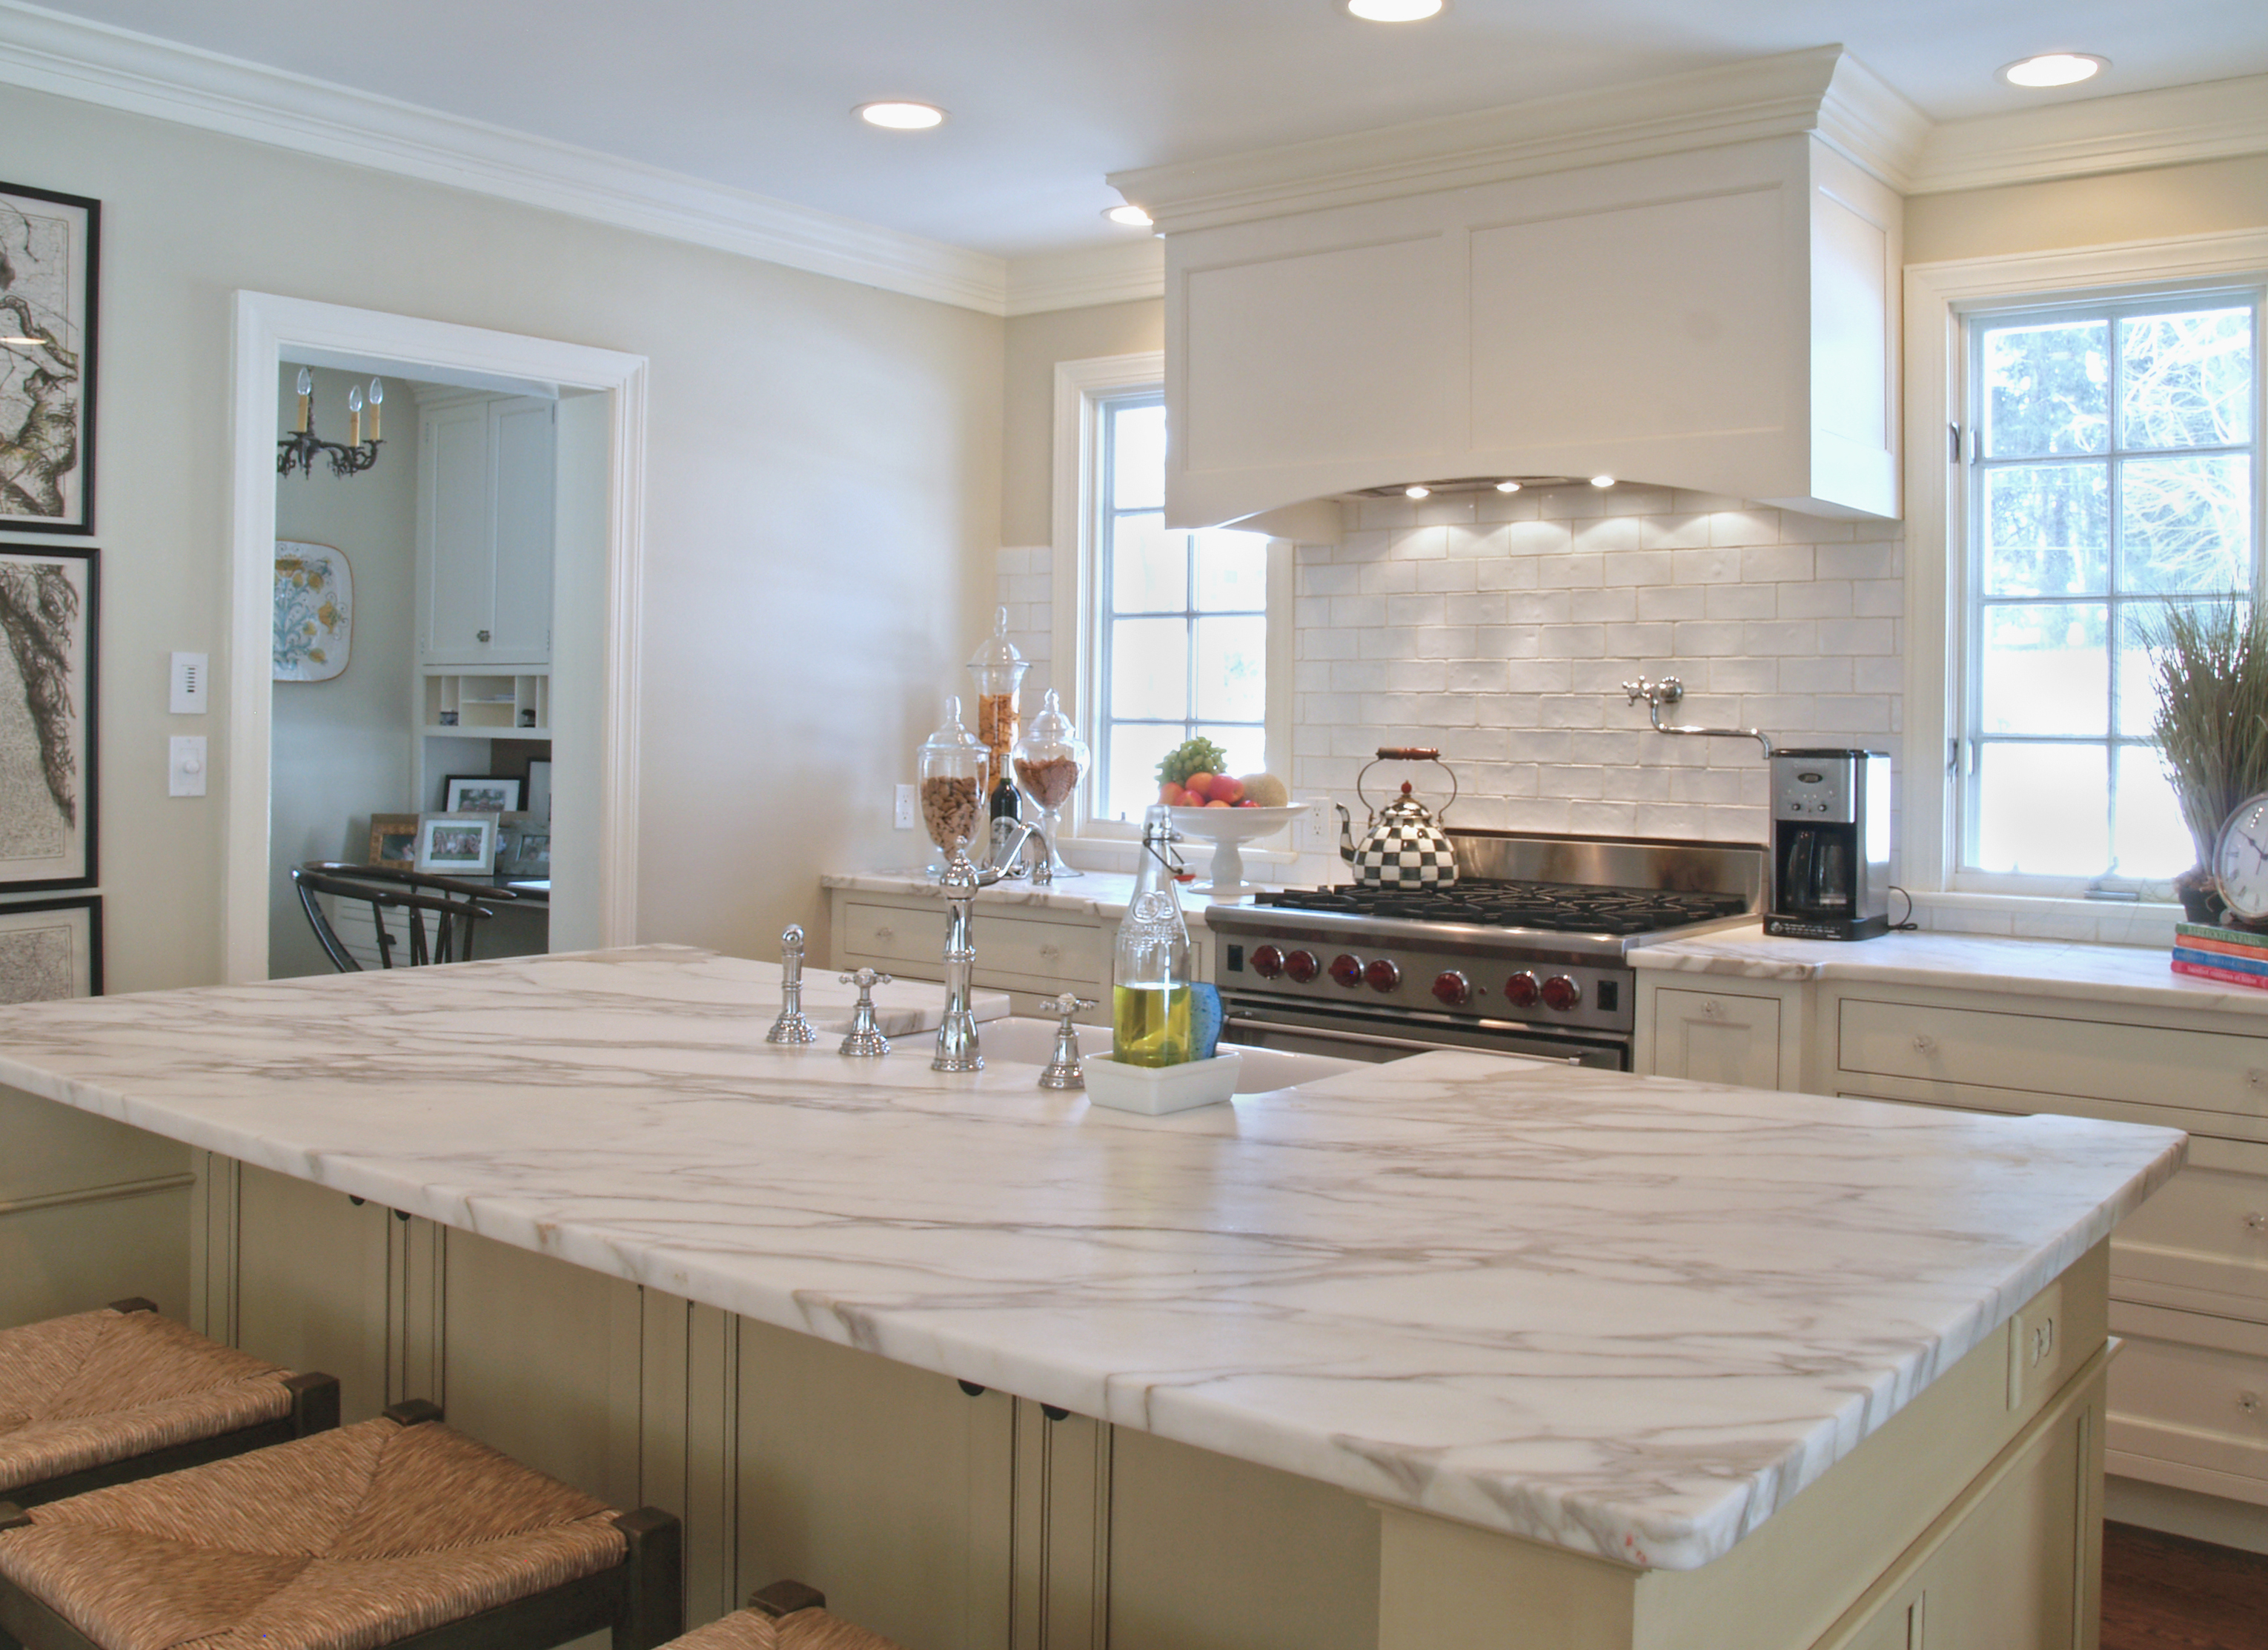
<point x="1150" y="973"/>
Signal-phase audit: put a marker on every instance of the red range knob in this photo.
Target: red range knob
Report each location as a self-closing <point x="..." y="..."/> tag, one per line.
<point x="1453" y="988"/>
<point x="1346" y="971"/>
<point x="1268" y="962"/>
<point x="1561" y="993"/>
<point x="1302" y="967"/>
<point x="1520" y="990"/>
<point x="1383" y="975"/>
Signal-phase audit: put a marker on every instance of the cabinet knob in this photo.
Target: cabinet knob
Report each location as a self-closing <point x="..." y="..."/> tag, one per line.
<point x="1051" y="951"/>
<point x="480" y="636"/>
<point x="884" y="933"/>
<point x="2257" y="1222"/>
<point x="1712" y="1009"/>
<point x="1923" y="1043"/>
<point x="2248" y="1402"/>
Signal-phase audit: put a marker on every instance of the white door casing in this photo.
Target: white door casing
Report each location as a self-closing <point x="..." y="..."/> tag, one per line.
<point x="603" y="908"/>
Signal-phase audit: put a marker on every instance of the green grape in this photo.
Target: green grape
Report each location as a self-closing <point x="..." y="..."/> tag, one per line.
<point x="1198" y="755"/>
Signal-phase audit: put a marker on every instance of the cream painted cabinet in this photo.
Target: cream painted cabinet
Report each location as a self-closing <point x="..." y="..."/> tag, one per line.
<point x="485" y="512"/>
<point x="1713" y="1037"/>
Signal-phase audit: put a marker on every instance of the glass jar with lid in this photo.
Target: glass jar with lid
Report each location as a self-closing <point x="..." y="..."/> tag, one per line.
<point x="1049" y="761"/>
<point x="953" y="764"/>
<point x="999" y="672"/>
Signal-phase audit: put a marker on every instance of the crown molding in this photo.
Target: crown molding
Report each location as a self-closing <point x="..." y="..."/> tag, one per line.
<point x="2214" y="120"/>
<point x="1820" y="89"/>
<point x="46" y="51"/>
<point x="1088" y="275"/>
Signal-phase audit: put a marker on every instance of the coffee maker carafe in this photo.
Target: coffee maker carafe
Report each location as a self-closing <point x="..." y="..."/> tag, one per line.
<point x="1831" y="844"/>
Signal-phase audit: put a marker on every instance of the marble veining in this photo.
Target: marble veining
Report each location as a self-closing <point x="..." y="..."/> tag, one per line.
<point x="1101" y="895"/>
<point x="2037" y="968"/>
<point x="1626" y="1316"/>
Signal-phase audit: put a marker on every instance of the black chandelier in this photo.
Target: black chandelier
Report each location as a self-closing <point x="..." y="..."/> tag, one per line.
<point x="298" y="450"/>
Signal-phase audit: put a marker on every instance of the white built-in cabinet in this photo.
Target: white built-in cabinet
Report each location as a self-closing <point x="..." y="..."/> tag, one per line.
<point x="2188" y="1272"/>
<point x="485" y="511"/>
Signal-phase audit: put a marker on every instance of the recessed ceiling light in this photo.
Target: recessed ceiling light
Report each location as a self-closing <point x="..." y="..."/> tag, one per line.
<point x="1133" y="217"/>
<point x="900" y="116"/>
<point x="2054" y="69"/>
<point x="1416" y="492"/>
<point x="1392" y="11"/>
<point x="1602" y="480"/>
<point x="1507" y="487"/>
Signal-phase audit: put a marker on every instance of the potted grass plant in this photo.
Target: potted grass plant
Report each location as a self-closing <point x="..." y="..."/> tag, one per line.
<point x="2212" y="661"/>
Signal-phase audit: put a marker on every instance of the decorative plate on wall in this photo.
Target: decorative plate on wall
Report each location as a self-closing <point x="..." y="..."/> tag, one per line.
<point x="315" y="611"/>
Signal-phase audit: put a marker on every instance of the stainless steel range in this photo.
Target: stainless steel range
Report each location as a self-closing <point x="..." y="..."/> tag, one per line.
<point x="1523" y="954"/>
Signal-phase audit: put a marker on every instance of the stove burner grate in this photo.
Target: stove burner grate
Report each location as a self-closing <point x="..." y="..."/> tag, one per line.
<point x="1554" y="907"/>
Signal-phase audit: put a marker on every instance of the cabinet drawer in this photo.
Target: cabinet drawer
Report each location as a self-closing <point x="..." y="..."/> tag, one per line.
<point x="1014" y="950"/>
<point x="2196" y="1408"/>
<point x="891" y="933"/>
<point x="2200" y="1244"/>
<point x="1716" y="1037"/>
<point x="2197" y="1071"/>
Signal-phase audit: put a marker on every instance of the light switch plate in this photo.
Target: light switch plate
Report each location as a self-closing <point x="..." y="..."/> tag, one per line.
<point x="186" y="692"/>
<point x="185" y="767"/>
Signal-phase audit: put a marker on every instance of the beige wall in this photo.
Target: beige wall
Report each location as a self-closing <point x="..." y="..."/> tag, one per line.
<point x="822" y="503"/>
<point x="2208" y="197"/>
<point x="1035" y="345"/>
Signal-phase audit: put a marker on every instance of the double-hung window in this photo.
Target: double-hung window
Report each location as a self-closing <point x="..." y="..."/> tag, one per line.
<point x="1179" y="634"/>
<point x="2114" y="470"/>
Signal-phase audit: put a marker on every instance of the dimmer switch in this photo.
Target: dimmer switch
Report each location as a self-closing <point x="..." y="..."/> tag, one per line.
<point x="186" y="694"/>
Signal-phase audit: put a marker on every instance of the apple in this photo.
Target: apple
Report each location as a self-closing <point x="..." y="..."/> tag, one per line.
<point x="1217" y="802"/>
<point x="1248" y="802"/>
<point x="1172" y="795"/>
<point x="1200" y="786"/>
<point x="1225" y="788"/>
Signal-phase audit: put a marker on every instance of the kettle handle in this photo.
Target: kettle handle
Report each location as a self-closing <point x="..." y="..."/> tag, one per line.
<point x="1407" y="753"/>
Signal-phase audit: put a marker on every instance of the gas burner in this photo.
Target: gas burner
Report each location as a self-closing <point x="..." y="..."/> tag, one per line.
<point x="1552" y="907"/>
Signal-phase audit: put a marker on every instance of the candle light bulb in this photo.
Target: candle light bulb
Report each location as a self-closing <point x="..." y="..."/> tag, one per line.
<point x="307" y="400"/>
<point x="306" y="382"/>
<point x="354" y="398"/>
<point x="377" y="403"/>
<point x="353" y="415"/>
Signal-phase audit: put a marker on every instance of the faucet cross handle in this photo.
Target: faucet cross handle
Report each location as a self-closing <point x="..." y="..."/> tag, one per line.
<point x="1062" y="1070"/>
<point x="792" y="1028"/>
<point x="865" y="1039"/>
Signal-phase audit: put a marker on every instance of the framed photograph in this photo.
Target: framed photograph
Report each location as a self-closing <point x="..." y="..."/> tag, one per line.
<point x="527" y="851"/>
<point x="314" y="612"/>
<point x="392" y="840"/>
<point x="48" y="250"/>
<point x="49" y="598"/>
<point x="51" y="949"/>
<point x="465" y="793"/>
<point x="457" y="844"/>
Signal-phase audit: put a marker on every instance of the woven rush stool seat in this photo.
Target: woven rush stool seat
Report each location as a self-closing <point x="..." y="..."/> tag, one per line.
<point x="786" y="1615"/>
<point x="397" y="1531"/>
<point x="102" y="1397"/>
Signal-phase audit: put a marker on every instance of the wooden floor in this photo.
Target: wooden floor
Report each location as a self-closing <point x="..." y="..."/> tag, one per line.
<point x="2168" y="1592"/>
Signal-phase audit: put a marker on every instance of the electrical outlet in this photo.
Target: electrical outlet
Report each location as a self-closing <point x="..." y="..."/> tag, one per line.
<point x="904" y="817"/>
<point x="2032" y="1350"/>
<point x="1311" y="834"/>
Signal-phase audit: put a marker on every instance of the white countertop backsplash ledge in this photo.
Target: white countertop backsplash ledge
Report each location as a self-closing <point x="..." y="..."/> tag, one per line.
<point x="1624" y="1316"/>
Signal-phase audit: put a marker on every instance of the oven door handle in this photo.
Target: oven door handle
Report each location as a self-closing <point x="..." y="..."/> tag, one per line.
<point x="1371" y="1040"/>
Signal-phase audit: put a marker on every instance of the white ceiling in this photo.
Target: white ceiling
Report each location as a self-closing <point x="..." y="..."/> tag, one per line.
<point x="1047" y="96"/>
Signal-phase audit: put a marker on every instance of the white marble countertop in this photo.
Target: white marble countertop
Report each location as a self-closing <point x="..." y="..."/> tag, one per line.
<point x="1099" y="894"/>
<point x="1626" y="1316"/>
<point x="2138" y="975"/>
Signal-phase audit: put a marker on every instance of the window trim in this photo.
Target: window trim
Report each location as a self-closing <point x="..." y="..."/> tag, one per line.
<point x="1939" y="299"/>
<point x="1081" y="389"/>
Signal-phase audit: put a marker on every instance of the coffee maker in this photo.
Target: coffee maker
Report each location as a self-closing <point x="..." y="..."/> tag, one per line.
<point x="1831" y="844"/>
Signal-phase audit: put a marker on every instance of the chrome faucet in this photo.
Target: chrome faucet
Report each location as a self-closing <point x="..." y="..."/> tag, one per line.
<point x="957" y="1047"/>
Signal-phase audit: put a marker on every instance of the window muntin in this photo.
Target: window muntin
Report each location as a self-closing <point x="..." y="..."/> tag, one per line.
<point x="1181" y="626"/>
<point x="2117" y="468"/>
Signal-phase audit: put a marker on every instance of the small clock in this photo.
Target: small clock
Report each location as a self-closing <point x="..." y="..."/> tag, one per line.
<point x="2240" y="860"/>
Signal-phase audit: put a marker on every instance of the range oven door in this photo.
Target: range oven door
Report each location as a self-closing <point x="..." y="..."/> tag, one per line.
<point x="1353" y="1033"/>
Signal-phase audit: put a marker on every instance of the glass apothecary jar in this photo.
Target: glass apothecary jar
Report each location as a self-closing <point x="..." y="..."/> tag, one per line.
<point x="953" y="763"/>
<point x="1049" y="761"/>
<point x="999" y="672"/>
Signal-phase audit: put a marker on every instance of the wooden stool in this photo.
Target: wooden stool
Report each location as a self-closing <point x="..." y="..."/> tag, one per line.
<point x="104" y="1397"/>
<point x="785" y="1615"/>
<point x="398" y="1531"/>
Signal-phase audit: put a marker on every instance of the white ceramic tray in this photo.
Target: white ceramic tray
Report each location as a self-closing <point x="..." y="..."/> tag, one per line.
<point x="1155" y="1090"/>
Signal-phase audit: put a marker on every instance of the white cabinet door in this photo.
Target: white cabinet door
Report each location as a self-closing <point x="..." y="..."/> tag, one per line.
<point x="1717" y="1037"/>
<point x="454" y="521"/>
<point x="486" y="510"/>
<point x="521" y="440"/>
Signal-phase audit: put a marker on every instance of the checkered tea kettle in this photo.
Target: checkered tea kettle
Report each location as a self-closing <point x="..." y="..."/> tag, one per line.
<point x="1402" y="846"/>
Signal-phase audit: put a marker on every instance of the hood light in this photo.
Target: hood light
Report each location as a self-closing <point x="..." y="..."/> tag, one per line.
<point x="1133" y="217"/>
<point x="1416" y="492"/>
<point x="897" y="115"/>
<point x="1602" y="480"/>
<point x="1392" y="11"/>
<point x="2054" y="68"/>
<point x="1507" y="487"/>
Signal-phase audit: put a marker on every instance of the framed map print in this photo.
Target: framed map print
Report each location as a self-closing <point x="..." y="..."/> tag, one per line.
<point x="47" y="251"/>
<point x="51" y="949"/>
<point x="49" y="601"/>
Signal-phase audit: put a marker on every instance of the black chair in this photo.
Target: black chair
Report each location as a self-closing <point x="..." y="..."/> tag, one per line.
<point x="456" y="908"/>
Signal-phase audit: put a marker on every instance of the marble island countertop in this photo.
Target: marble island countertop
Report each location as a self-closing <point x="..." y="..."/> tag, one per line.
<point x="2139" y="975"/>
<point x="1624" y="1316"/>
<point x="1097" y="894"/>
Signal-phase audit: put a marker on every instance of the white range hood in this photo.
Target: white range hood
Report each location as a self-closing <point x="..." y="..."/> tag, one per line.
<point x="1690" y="283"/>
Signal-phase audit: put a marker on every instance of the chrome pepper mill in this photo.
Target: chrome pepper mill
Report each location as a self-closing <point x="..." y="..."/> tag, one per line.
<point x="1061" y="1069"/>
<point x="791" y="1027"/>
<point x="865" y="1039"/>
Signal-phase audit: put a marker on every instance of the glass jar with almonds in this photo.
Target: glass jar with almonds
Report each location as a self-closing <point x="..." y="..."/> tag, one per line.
<point x="1050" y="760"/>
<point x="953" y="763"/>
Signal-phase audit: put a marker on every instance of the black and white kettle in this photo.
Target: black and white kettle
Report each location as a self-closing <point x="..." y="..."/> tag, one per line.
<point x="1402" y="846"/>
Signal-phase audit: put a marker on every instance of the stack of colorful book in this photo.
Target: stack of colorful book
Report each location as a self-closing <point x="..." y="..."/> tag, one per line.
<point x="2233" y="956"/>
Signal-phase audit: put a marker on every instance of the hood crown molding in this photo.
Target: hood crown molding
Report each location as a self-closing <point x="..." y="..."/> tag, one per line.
<point x="2212" y="120"/>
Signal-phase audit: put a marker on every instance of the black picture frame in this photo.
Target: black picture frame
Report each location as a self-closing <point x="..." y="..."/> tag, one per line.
<point x="56" y="798"/>
<point x="516" y="786"/>
<point x="9" y="914"/>
<point x="18" y="512"/>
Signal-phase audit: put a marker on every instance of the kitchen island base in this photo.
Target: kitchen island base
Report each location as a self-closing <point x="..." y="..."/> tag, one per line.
<point x="943" y="1518"/>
